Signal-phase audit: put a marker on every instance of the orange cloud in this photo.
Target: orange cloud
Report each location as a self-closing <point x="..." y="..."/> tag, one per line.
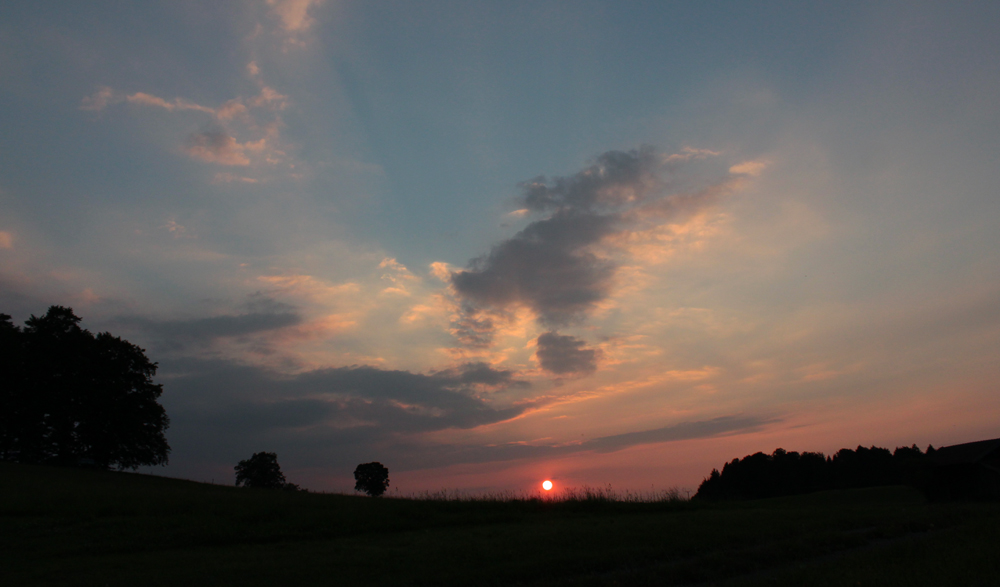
<point x="294" y="14"/>
<point x="751" y="168"/>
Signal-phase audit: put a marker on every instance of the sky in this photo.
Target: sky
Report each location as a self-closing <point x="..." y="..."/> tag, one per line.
<point x="491" y="243"/>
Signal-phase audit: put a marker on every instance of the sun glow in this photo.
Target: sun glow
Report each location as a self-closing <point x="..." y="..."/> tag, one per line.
<point x="547" y="485"/>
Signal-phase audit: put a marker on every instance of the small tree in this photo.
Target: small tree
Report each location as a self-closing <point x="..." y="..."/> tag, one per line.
<point x="372" y="478"/>
<point x="260" y="470"/>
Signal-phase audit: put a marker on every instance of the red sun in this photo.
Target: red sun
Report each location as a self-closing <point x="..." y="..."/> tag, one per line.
<point x="547" y="485"/>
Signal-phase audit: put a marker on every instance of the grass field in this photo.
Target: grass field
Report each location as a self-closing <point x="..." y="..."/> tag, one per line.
<point x="79" y="527"/>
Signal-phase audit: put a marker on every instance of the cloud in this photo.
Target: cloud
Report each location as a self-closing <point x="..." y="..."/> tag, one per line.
<point x="270" y="98"/>
<point x="230" y="110"/>
<point x="681" y="431"/>
<point x="217" y="146"/>
<point x="428" y="456"/>
<point x="689" y="153"/>
<point x="230" y="178"/>
<point x="374" y="402"/>
<point x="6" y="240"/>
<point x="258" y="116"/>
<point x="294" y="14"/>
<point x="99" y="100"/>
<point x="264" y="314"/>
<point x="751" y="168"/>
<point x="555" y="266"/>
<point x="178" y="103"/>
<point x="564" y="355"/>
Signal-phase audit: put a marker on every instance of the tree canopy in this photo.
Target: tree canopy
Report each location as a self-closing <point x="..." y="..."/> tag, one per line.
<point x="70" y="397"/>
<point x="261" y="470"/>
<point x="372" y="478"/>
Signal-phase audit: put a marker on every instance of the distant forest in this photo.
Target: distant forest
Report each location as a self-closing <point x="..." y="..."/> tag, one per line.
<point x="789" y="473"/>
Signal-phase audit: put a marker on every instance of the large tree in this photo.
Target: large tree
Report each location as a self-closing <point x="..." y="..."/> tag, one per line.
<point x="70" y="397"/>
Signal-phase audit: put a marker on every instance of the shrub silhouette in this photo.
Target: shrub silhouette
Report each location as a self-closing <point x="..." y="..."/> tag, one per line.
<point x="262" y="471"/>
<point x="372" y="478"/>
<point x="68" y="397"/>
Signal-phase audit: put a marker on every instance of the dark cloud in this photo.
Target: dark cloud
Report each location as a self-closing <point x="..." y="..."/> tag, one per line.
<point x="332" y="419"/>
<point x="551" y="266"/>
<point x="546" y="266"/>
<point x="682" y="431"/>
<point x="616" y="178"/>
<point x="440" y="456"/>
<point x="223" y="411"/>
<point x="483" y="374"/>
<point x="263" y="314"/>
<point x="390" y="401"/>
<point x="564" y="355"/>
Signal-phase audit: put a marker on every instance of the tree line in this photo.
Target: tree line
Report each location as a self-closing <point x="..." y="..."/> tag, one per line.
<point x="789" y="473"/>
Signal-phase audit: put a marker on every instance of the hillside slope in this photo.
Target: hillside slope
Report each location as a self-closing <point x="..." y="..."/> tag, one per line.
<point x="78" y="527"/>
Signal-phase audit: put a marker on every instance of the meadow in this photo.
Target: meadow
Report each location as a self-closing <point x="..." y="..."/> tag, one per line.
<point x="83" y="527"/>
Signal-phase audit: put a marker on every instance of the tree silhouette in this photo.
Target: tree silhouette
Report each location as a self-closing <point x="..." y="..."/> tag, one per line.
<point x="788" y="473"/>
<point x="70" y="397"/>
<point x="260" y="470"/>
<point x="372" y="478"/>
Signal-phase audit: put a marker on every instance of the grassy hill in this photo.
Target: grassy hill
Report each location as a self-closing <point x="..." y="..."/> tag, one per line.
<point x="78" y="527"/>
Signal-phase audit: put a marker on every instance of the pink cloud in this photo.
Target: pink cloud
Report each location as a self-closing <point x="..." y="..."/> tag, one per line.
<point x="219" y="147"/>
<point x="230" y="110"/>
<point x="269" y="97"/>
<point x="178" y="103"/>
<point x="99" y="100"/>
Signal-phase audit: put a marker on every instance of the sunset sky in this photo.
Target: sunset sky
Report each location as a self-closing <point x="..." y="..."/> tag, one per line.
<point x="491" y="243"/>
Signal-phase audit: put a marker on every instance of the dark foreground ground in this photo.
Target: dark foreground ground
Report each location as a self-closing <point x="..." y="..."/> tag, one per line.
<point x="75" y="527"/>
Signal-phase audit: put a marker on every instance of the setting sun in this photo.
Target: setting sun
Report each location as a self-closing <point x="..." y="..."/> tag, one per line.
<point x="547" y="485"/>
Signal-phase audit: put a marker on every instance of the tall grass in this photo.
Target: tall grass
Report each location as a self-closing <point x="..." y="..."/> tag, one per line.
<point x="584" y="494"/>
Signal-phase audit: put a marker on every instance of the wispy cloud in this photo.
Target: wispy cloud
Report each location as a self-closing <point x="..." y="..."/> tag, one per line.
<point x="426" y="456"/>
<point x="215" y="146"/>
<point x="230" y="178"/>
<point x="242" y="132"/>
<point x="177" y="104"/>
<point x="99" y="100"/>
<point x="751" y="168"/>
